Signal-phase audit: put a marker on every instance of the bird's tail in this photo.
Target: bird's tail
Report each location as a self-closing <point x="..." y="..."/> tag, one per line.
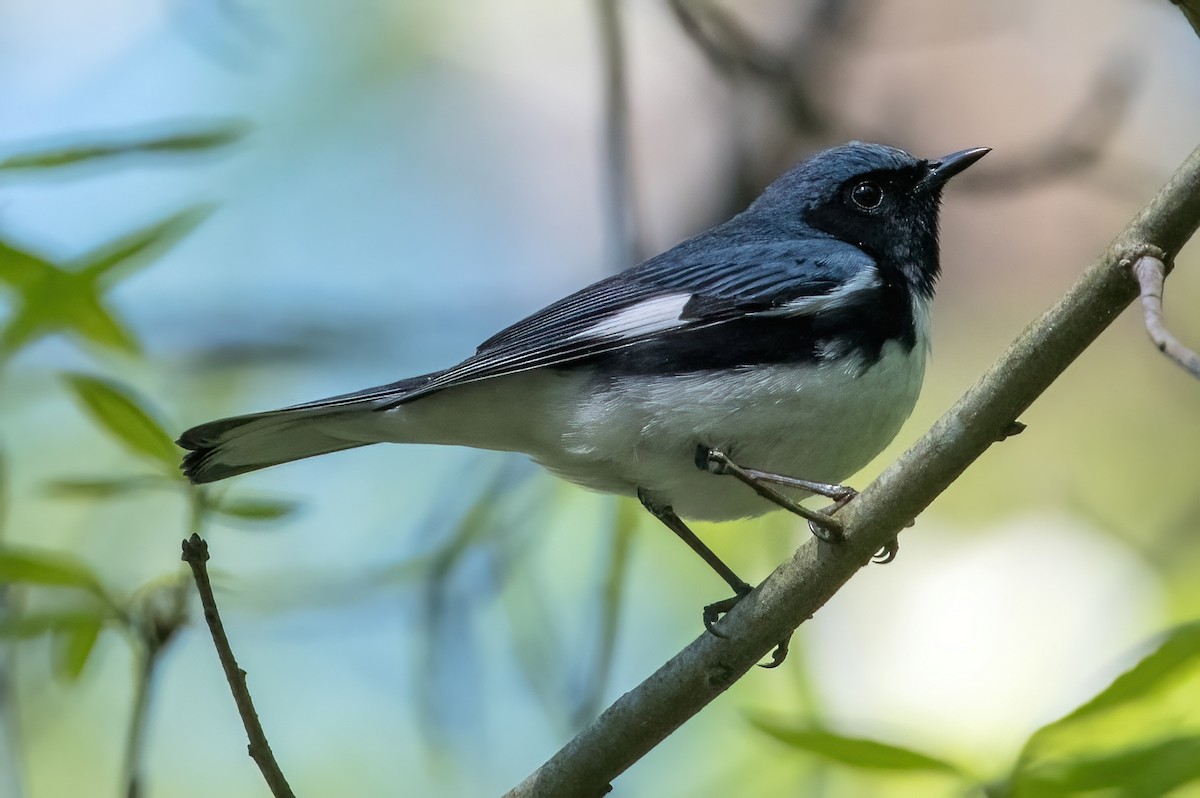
<point x="231" y="446"/>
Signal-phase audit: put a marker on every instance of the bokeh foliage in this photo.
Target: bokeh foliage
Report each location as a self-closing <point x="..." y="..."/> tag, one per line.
<point x="1137" y="737"/>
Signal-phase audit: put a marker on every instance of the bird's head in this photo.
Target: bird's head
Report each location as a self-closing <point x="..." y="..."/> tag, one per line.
<point x="878" y="198"/>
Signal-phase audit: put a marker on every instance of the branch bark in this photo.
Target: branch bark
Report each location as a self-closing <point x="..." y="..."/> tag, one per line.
<point x="646" y="715"/>
<point x="195" y="554"/>
<point x="1150" y="272"/>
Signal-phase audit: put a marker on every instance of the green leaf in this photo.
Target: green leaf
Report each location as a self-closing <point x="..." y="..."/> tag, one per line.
<point x="52" y="299"/>
<point x="183" y="142"/>
<point x="26" y="566"/>
<point x="129" y="249"/>
<point x="60" y="301"/>
<point x="20" y="269"/>
<point x="24" y="627"/>
<point x="104" y="488"/>
<point x="1148" y="771"/>
<point x="115" y="410"/>
<point x="853" y="751"/>
<point x="1178" y="654"/>
<point x="73" y="647"/>
<point x="256" y="509"/>
<point x="1130" y="737"/>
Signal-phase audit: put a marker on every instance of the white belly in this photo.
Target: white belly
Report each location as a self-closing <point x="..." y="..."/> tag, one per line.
<point x="814" y="422"/>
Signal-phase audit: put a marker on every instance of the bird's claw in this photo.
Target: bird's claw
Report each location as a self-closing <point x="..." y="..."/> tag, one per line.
<point x="713" y="613"/>
<point x="778" y="655"/>
<point x="831" y="533"/>
<point x="887" y="552"/>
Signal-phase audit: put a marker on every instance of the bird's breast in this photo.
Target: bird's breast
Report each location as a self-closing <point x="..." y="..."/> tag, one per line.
<point x="819" y="420"/>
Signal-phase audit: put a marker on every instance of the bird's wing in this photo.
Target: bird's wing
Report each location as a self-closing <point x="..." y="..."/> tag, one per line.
<point x="665" y="294"/>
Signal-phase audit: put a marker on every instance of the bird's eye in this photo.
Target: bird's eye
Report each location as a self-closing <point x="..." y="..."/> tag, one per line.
<point x="867" y="195"/>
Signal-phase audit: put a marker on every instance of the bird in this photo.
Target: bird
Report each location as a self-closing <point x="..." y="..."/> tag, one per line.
<point x="740" y="371"/>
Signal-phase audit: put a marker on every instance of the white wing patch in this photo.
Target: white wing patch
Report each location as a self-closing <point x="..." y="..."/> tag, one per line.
<point x="648" y="316"/>
<point x="864" y="280"/>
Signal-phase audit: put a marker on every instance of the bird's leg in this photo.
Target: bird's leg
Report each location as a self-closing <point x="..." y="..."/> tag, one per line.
<point x="821" y="522"/>
<point x="714" y="611"/>
<point x="673" y="522"/>
<point x="841" y="494"/>
<point x="716" y="462"/>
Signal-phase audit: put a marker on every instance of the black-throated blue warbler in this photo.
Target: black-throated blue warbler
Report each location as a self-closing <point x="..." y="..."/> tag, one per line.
<point x="788" y="342"/>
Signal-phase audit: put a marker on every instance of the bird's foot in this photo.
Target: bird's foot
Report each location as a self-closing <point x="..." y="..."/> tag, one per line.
<point x="887" y="553"/>
<point x="713" y="613"/>
<point x="826" y="529"/>
<point x="822" y="523"/>
<point x="832" y="534"/>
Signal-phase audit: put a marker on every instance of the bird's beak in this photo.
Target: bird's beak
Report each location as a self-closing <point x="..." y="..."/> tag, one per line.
<point x="948" y="166"/>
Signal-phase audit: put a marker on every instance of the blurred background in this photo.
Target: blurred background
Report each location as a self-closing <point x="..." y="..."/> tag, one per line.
<point x="210" y="207"/>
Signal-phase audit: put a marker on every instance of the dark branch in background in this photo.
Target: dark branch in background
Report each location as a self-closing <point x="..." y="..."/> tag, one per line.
<point x="1191" y="10"/>
<point x="620" y="209"/>
<point x="1151" y="272"/>
<point x="195" y="554"/>
<point x="136" y="742"/>
<point x="791" y="82"/>
<point x="1078" y="144"/>
<point x="810" y="68"/>
<point x="646" y="715"/>
<point x="733" y="51"/>
<point x="154" y="629"/>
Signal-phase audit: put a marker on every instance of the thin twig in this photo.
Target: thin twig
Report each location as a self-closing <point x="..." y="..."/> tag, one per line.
<point x="161" y="614"/>
<point x="195" y="554"/>
<point x="620" y="208"/>
<point x="1151" y="272"/>
<point x="644" y="716"/>
<point x="135" y="742"/>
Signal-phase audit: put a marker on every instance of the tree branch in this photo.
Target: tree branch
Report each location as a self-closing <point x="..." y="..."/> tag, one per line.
<point x="620" y="208"/>
<point x="195" y="554"/>
<point x="643" y="717"/>
<point x="1150" y="272"/>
